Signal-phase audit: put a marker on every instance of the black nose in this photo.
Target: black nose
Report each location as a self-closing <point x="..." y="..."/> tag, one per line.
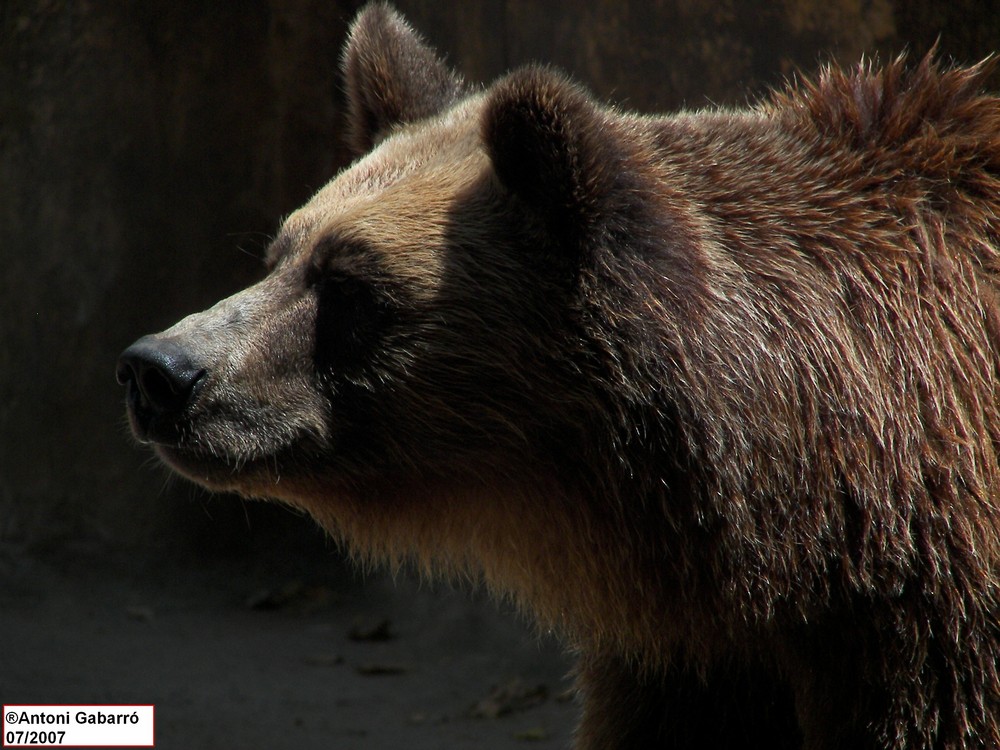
<point x="160" y="375"/>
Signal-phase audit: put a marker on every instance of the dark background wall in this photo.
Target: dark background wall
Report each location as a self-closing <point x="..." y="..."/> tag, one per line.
<point x="148" y="150"/>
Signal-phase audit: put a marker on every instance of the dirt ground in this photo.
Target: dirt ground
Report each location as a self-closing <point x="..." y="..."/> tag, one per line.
<point x="239" y="653"/>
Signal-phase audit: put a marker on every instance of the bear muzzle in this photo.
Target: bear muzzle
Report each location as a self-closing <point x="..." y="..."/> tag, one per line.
<point x="161" y="379"/>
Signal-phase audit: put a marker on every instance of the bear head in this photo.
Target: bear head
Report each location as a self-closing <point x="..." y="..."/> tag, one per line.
<point x="428" y="317"/>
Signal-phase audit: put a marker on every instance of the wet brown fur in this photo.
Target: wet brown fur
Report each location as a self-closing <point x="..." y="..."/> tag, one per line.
<point x="714" y="394"/>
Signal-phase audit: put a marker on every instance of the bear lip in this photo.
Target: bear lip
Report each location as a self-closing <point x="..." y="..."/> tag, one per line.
<point x="151" y="425"/>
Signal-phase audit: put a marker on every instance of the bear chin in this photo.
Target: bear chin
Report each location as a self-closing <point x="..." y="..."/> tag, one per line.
<point x="250" y="477"/>
<point x="214" y="472"/>
<point x="286" y="476"/>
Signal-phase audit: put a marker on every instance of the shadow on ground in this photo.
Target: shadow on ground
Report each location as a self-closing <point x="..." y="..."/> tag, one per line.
<point x="264" y="655"/>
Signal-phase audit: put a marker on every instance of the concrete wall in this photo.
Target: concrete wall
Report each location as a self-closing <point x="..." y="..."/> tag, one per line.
<point x="148" y="149"/>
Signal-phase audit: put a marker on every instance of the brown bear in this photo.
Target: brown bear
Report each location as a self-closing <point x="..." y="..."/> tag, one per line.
<point x="713" y="394"/>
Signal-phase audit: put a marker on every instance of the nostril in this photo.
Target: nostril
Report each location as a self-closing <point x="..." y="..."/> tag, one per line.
<point x="158" y="388"/>
<point x="160" y="374"/>
<point x="124" y="373"/>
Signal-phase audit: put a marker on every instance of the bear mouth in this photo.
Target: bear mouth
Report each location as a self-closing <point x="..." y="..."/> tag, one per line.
<point x="149" y="424"/>
<point x="235" y="450"/>
<point x="182" y="444"/>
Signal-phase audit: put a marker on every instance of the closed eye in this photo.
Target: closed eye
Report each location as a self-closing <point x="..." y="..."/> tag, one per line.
<point x="351" y="316"/>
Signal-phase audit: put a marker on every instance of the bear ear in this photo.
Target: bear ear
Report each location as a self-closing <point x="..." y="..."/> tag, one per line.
<point x="392" y="76"/>
<point x="554" y="147"/>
